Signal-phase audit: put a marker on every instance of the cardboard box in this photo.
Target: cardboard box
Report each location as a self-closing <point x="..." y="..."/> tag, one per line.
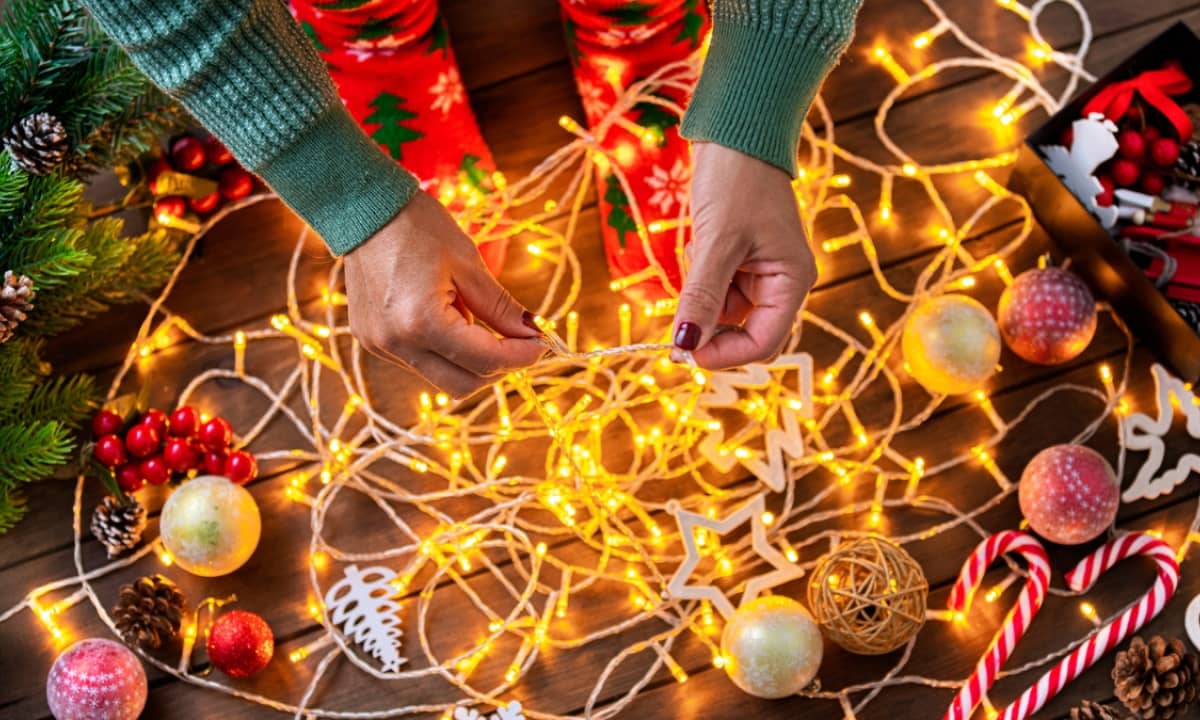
<point x="1095" y="255"/>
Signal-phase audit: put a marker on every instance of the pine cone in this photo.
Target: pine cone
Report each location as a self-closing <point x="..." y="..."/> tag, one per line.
<point x="1156" y="680"/>
<point x="149" y="611"/>
<point x="1187" y="166"/>
<point x="1095" y="711"/>
<point x="37" y="143"/>
<point x="16" y="296"/>
<point x="118" y="526"/>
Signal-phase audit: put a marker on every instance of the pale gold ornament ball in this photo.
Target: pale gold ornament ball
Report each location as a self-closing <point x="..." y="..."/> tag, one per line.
<point x="951" y="344"/>
<point x="210" y="526"/>
<point x="772" y="648"/>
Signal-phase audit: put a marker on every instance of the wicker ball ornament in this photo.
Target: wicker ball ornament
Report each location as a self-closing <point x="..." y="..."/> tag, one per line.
<point x="869" y="596"/>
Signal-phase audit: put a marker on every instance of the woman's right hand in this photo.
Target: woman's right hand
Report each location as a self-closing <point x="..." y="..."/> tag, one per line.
<point x="413" y="288"/>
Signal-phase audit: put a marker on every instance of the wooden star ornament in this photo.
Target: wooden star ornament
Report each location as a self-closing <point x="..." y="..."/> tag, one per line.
<point x="784" y="571"/>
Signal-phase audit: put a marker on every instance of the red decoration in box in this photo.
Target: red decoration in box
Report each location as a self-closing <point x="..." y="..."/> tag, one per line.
<point x="1155" y="88"/>
<point x="240" y="644"/>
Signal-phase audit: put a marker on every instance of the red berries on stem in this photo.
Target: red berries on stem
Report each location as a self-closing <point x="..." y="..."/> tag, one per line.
<point x="158" y="447"/>
<point x="187" y="154"/>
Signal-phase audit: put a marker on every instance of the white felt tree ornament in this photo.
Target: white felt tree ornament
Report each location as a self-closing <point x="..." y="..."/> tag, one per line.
<point x="361" y="602"/>
<point x="1145" y="433"/>
<point x="511" y="711"/>
<point x="1093" y="141"/>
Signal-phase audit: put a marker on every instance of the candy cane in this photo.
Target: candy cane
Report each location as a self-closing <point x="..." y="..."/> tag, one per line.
<point x="1081" y="579"/>
<point x="1015" y="623"/>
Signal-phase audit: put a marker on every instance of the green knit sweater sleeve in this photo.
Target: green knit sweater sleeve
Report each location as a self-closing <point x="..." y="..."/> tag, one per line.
<point x="765" y="64"/>
<point x="247" y="72"/>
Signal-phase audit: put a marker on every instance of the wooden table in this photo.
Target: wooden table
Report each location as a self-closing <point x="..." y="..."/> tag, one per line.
<point x="514" y="63"/>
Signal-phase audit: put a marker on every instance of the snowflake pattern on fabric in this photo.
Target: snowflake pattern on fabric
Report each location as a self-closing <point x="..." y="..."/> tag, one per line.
<point x="670" y="188"/>
<point x="447" y="91"/>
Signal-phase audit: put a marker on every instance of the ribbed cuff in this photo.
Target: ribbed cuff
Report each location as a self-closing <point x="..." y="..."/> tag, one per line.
<point x="755" y="90"/>
<point x="339" y="181"/>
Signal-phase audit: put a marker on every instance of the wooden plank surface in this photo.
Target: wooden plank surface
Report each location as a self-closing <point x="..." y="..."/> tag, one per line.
<point x="514" y="63"/>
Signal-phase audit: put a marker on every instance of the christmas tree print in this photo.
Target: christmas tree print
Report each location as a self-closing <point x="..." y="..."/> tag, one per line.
<point x="619" y="218"/>
<point x="390" y="115"/>
<point x="439" y="36"/>
<point x="377" y="27"/>
<point x="631" y="13"/>
<point x="476" y="176"/>
<point x="312" y="35"/>
<point x="341" y="4"/>
<point x="693" y="20"/>
<point x="656" y="118"/>
<point x="569" y="33"/>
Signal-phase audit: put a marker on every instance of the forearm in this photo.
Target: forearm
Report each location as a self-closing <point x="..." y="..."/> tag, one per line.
<point x="766" y="62"/>
<point x="248" y="73"/>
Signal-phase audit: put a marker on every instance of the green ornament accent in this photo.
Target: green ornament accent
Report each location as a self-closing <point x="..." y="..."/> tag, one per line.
<point x="376" y="28"/>
<point x="475" y="175"/>
<point x="439" y="36"/>
<point x="619" y="218"/>
<point x="693" y="20"/>
<point x="631" y="13"/>
<point x="656" y="118"/>
<point x="341" y="4"/>
<point x="389" y="114"/>
<point x="312" y="36"/>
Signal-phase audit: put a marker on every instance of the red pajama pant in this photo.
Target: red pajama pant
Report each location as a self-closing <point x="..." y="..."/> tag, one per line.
<point x="394" y="67"/>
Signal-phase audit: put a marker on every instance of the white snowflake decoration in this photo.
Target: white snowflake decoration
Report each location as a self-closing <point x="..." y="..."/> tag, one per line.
<point x="511" y="711"/>
<point x="592" y="95"/>
<point x="1093" y="142"/>
<point x="670" y="187"/>
<point x="447" y="91"/>
<point x="616" y="37"/>
<point x="362" y="603"/>
<point x="1145" y="433"/>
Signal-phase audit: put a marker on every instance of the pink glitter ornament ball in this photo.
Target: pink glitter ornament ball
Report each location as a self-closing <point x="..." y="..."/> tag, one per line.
<point x="96" y="679"/>
<point x="1047" y="316"/>
<point x="1069" y="494"/>
<point x="240" y="644"/>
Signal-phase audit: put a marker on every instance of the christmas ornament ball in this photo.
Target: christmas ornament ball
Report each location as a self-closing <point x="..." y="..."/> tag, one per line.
<point x="96" y="679"/>
<point x="1047" y="316"/>
<point x="1069" y="494"/>
<point x="772" y="647"/>
<point x="240" y="644"/>
<point x="210" y="526"/>
<point x="950" y="344"/>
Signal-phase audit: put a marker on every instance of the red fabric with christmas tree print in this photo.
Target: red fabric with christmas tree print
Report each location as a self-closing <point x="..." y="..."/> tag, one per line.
<point x="397" y="75"/>
<point x="613" y="44"/>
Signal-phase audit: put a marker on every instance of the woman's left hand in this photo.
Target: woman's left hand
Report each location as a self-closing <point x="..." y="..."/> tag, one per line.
<point x="750" y="263"/>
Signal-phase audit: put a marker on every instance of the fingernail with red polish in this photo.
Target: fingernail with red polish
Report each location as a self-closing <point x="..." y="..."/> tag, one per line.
<point x="528" y="320"/>
<point x="687" y="336"/>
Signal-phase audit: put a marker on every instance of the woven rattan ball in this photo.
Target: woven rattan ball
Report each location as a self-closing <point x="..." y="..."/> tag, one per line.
<point x="868" y="596"/>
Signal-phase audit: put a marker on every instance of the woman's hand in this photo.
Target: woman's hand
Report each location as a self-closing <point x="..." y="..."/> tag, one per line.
<point x="412" y="289"/>
<point x="750" y="265"/>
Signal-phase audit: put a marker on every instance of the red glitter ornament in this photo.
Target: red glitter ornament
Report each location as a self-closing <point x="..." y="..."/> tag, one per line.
<point x="1047" y="316"/>
<point x="96" y="679"/>
<point x="240" y="644"/>
<point x="1069" y="494"/>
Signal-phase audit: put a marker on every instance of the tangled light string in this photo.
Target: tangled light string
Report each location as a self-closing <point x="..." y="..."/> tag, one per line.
<point x="612" y="429"/>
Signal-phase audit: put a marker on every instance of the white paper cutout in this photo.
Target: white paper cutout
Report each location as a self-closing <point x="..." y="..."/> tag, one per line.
<point x="362" y="603"/>
<point x="1144" y="433"/>
<point x="1093" y="142"/>
<point x="783" y="438"/>
<point x="511" y="711"/>
<point x="785" y="571"/>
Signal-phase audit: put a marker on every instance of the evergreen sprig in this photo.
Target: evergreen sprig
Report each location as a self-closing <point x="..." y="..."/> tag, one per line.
<point x="54" y="59"/>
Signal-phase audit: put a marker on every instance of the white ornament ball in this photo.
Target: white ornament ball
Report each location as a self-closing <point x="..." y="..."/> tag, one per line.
<point x="951" y="344"/>
<point x="1069" y="494"/>
<point x="96" y="679"/>
<point x="772" y="647"/>
<point x="210" y="526"/>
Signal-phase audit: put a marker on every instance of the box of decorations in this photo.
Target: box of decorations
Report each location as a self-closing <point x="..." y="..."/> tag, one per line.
<point x="1114" y="179"/>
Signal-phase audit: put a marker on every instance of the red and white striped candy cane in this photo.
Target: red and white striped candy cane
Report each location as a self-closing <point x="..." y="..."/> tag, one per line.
<point x="1015" y="623"/>
<point x="1081" y="579"/>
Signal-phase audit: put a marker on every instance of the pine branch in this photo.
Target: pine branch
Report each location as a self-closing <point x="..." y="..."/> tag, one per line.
<point x="21" y="369"/>
<point x="12" y="509"/>
<point x="31" y="451"/>
<point x="66" y="400"/>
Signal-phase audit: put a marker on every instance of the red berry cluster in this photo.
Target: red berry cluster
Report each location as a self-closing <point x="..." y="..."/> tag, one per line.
<point x="157" y="448"/>
<point x="1143" y="154"/>
<point x="206" y="158"/>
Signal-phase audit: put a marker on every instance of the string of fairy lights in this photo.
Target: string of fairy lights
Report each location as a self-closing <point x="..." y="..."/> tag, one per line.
<point x="558" y="482"/>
